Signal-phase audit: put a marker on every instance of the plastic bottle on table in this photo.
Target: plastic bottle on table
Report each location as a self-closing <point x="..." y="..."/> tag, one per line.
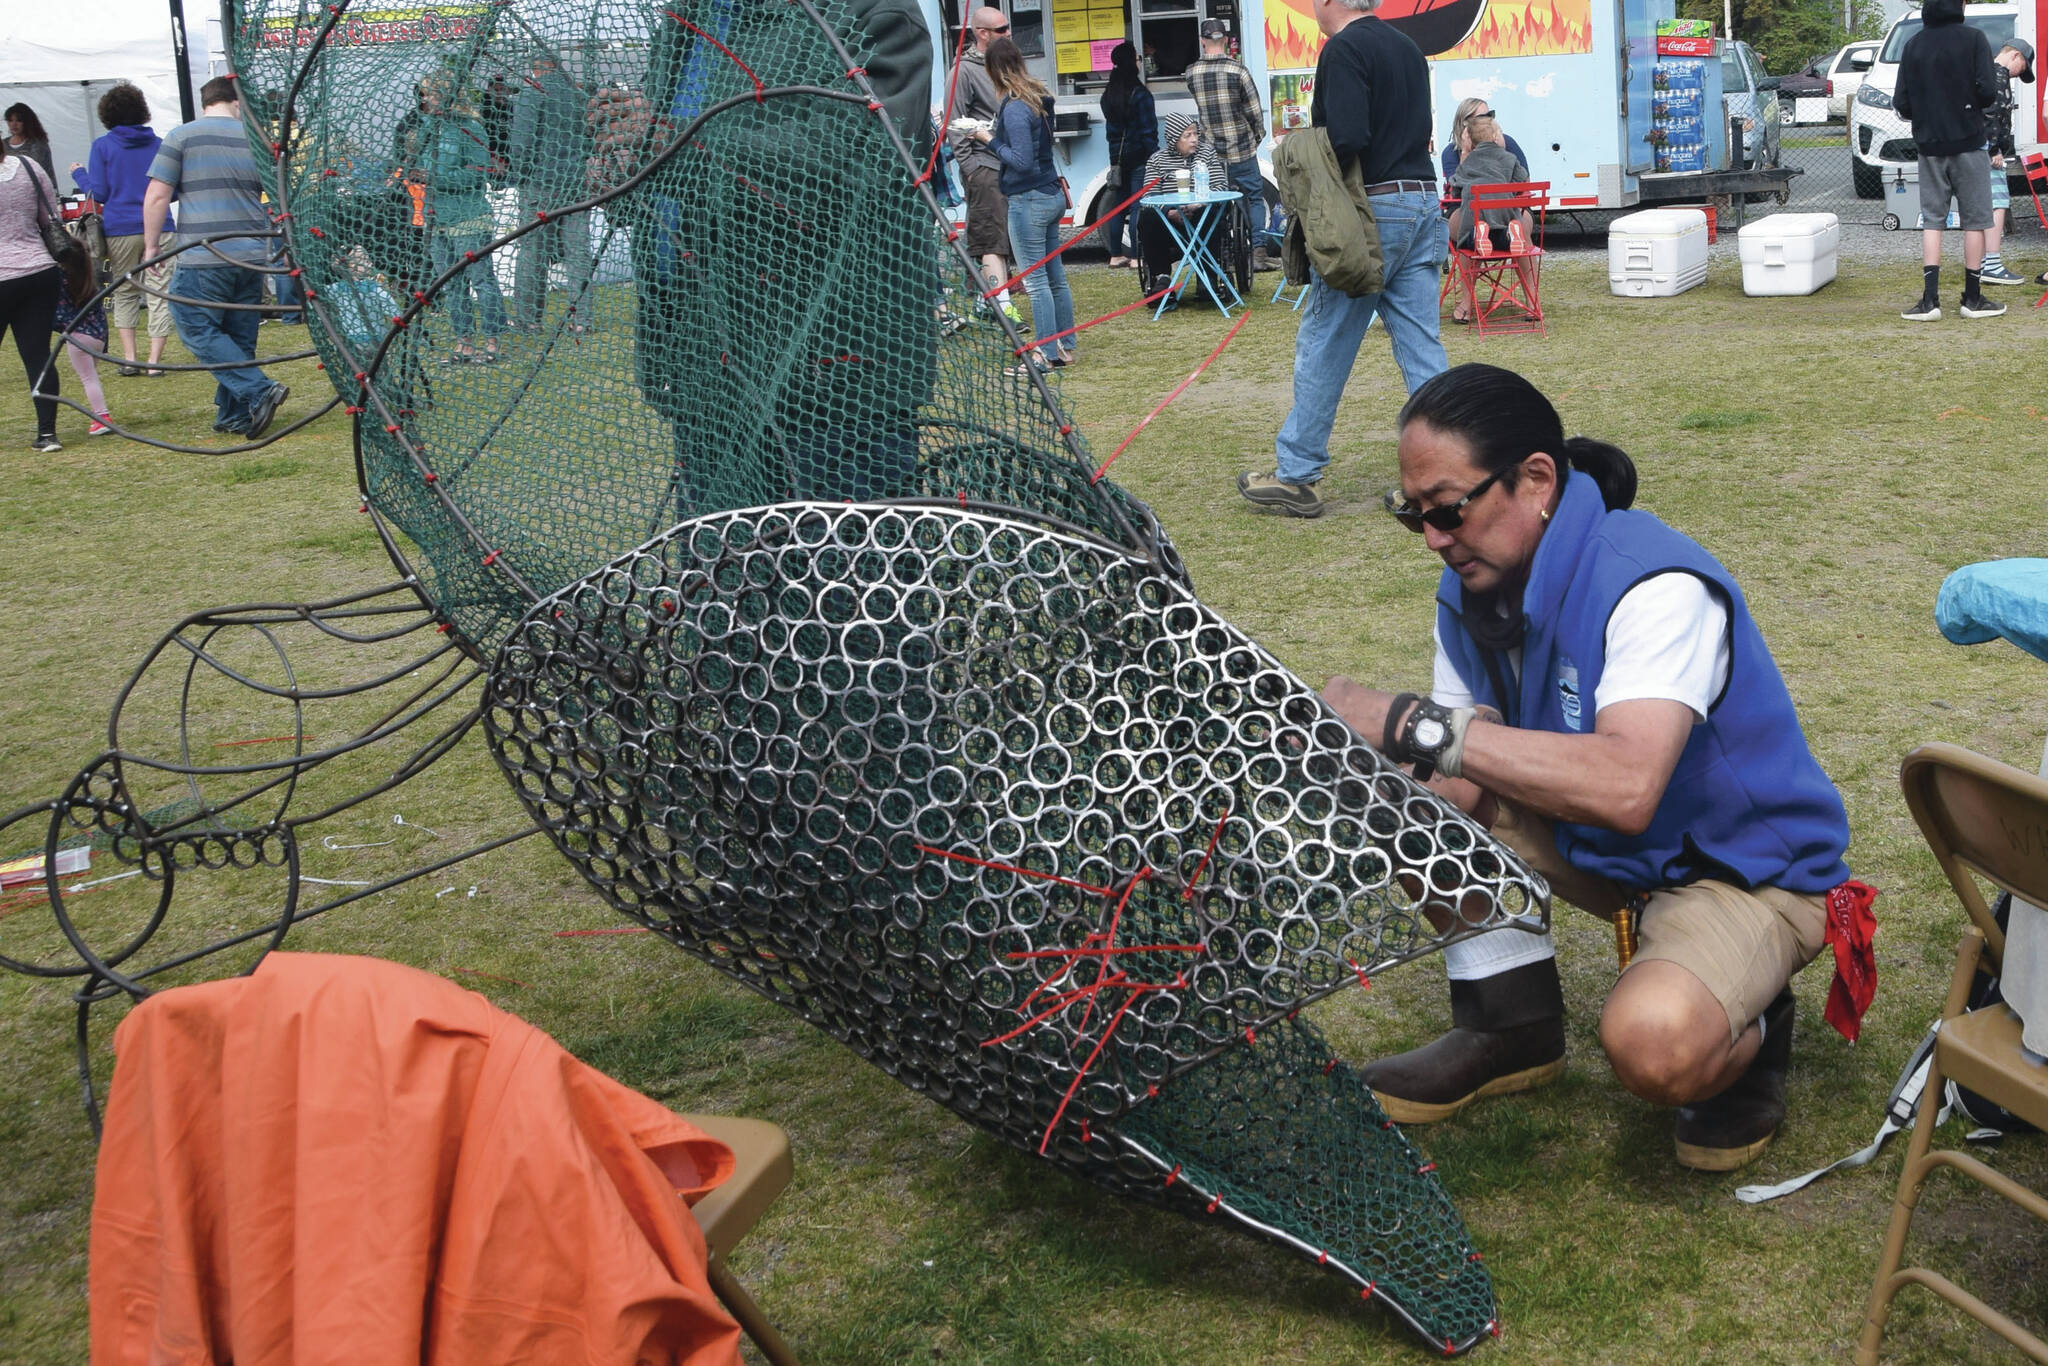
<point x="1201" y="177"/>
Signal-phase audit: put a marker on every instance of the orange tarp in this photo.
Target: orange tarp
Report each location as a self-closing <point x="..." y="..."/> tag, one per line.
<point x="343" y="1160"/>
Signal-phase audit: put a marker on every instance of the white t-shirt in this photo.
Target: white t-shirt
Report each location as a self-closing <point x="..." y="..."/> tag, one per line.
<point x="1668" y="639"/>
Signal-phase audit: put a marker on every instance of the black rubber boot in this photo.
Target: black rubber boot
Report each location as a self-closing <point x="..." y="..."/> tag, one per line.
<point x="1731" y="1130"/>
<point x="1507" y="1035"/>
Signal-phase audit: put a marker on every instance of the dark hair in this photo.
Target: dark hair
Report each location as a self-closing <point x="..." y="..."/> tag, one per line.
<point x="1124" y="81"/>
<point x="219" y="90"/>
<point x="1505" y="420"/>
<point x="123" y="106"/>
<point x="31" y="126"/>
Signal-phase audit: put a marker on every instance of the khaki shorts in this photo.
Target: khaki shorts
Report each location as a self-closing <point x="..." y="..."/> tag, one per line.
<point x="126" y="302"/>
<point x="1744" y="945"/>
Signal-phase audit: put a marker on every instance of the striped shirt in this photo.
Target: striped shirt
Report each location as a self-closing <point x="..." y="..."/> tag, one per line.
<point x="208" y="165"/>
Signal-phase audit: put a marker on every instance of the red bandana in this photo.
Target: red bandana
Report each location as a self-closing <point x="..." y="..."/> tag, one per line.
<point x="1851" y="927"/>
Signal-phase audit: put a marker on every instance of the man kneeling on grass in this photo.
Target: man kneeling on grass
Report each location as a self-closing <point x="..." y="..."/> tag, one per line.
<point x="1605" y="703"/>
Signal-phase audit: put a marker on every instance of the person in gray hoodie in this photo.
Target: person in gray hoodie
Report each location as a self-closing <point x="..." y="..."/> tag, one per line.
<point x="975" y="102"/>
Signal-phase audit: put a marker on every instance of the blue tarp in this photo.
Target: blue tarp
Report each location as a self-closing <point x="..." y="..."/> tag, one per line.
<point x="2009" y="598"/>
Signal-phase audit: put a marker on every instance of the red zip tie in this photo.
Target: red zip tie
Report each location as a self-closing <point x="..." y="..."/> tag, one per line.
<point x="1450" y="1349"/>
<point x="1150" y="1090"/>
<point x="443" y="629"/>
<point x="391" y="428"/>
<point x="1214" y="835"/>
<point x="1173" y="1175"/>
<point x="1361" y="973"/>
<point x="853" y="71"/>
<point x="760" y="91"/>
<point x="431" y="477"/>
<point x="1250" y="1037"/>
<point x="1177" y="391"/>
<point x="1425" y="1169"/>
<point x="1092" y="322"/>
<point x="490" y="559"/>
<point x="1475" y="1257"/>
<point x="351" y="409"/>
<point x="419" y="295"/>
<point x="1322" y="1259"/>
<point x="1493" y="1327"/>
<point x="963" y="500"/>
<point x="311" y="293"/>
<point x="1329" y="1067"/>
<point x="1214" y="1201"/>
<point x="1084" y="1132"/>
<point x="295" y="272"/>
<point x="1079" y="236"/>
<point x="316" y="232"/>
<point x="469" y="256"/>
<point x="1366" y="1293"/>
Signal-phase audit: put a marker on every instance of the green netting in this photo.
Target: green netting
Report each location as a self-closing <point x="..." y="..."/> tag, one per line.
<point x="815" y="643"/>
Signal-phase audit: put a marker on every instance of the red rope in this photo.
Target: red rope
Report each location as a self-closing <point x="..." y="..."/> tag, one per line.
<point x="1080" y="235"/>
<point x="952" y="84"/>
<point x="760" y="91"/>
<point x="1178" y="390"/>
<point x="1214" y="835"/>
<point x="1081" y="327"/>
<point x="1013" y="868"/>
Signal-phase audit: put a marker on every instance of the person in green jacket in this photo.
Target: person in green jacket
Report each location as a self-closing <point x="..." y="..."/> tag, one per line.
<point x="454" y="153"/>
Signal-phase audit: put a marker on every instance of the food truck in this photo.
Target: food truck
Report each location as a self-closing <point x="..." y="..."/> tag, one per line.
<point x="1572" y="80"/>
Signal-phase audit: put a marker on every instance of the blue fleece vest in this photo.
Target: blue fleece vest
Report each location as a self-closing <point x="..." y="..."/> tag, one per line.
<point x="1747" y="804"/>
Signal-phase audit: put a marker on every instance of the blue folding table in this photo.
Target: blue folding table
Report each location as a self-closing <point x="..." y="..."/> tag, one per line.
<point x="1190" y="232"/>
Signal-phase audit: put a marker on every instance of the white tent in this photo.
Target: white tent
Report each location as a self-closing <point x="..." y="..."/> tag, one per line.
<point x="59" y="56"/>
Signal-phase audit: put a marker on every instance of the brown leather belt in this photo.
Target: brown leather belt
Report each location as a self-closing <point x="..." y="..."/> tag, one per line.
<point x="1402" y="187"/>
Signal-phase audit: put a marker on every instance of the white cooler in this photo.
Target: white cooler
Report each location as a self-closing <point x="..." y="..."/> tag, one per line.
<point x="1657" y="252"/>
<point x="1789" y="253"/>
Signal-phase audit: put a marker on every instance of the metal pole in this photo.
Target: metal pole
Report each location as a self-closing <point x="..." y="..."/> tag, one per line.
<point x="186" y="107"/>
<point x="1727" y="18"/>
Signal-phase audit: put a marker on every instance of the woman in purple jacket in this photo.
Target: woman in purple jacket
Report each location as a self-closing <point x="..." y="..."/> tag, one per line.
<point x="117" y="176"/>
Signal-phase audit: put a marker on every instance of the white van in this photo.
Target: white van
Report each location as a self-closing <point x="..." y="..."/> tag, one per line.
<point x="1880" y="142"/>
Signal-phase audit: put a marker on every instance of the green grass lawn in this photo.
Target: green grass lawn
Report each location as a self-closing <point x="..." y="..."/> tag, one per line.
<point x="1839" y="460"/>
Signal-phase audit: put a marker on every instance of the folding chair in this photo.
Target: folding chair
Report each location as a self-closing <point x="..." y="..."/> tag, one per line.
<point x="763" y="1168"/>
<point x="1982" y="819"/>
<point x="1502" y="288"/>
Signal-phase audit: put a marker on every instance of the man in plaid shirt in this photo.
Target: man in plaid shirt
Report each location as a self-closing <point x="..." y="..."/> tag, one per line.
<point x="1232" y="115"/>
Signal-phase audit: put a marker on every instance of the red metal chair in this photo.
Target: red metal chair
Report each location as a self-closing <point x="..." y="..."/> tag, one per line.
<point x="2036" y="166"/>
<point x="1502" y="288"/>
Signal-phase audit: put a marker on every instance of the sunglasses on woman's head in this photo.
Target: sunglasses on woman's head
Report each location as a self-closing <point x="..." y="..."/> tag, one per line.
<point x="1449" y="517"/>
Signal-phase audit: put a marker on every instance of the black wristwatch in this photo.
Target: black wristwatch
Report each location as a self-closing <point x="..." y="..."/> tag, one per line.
<point x="1424" y="735"/>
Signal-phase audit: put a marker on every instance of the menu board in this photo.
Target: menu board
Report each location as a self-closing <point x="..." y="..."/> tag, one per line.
<point x="1071" y="57"/>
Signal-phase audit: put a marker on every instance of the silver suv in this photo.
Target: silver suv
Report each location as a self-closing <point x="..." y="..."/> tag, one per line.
<point x="1751" y="96"/>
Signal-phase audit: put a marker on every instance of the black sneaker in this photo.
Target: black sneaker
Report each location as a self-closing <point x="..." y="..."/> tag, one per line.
<point x="1980" y="307"/>
<point x="1269" y="490"/>
<point x="1727" y="1132"/>
<point x="2001" y="276"/>
<point x="46" y="443"/>
<point x="266" y="409"/>
<point x="1926" y="311"/>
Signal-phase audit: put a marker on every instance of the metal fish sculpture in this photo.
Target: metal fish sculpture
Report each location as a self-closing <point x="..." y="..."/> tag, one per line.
<point x="792" y="610"/>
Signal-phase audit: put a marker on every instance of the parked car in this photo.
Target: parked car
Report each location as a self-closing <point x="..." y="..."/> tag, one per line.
<point x="1880" y="142"/>
<point x="1845" y="73"/>
<point x="1810" y="82"/>
<point x="1751" y="96"/>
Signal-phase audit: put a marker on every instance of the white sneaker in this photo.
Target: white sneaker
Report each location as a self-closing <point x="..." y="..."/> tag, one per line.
<point x="2001" y="276"/>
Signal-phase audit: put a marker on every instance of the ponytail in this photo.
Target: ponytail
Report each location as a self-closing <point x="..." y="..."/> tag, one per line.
<point x="1505" y="420"/>
<point x="1609" y="467"/>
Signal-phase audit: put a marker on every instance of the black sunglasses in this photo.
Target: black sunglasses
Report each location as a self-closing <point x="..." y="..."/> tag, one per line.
<point x="1450" y="516"/>
<point x="986" y="29"/>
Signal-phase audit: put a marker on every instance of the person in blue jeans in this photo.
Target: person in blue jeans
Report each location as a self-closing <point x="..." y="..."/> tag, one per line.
<point x="1372" y="99"/>
<point x="1022" y="141"/>
<point x="208" y="167"/>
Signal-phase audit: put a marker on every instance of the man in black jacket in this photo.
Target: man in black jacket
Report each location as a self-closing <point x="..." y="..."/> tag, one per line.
<point x="1372" y="96"/>
<point x="1945" y="84"/>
